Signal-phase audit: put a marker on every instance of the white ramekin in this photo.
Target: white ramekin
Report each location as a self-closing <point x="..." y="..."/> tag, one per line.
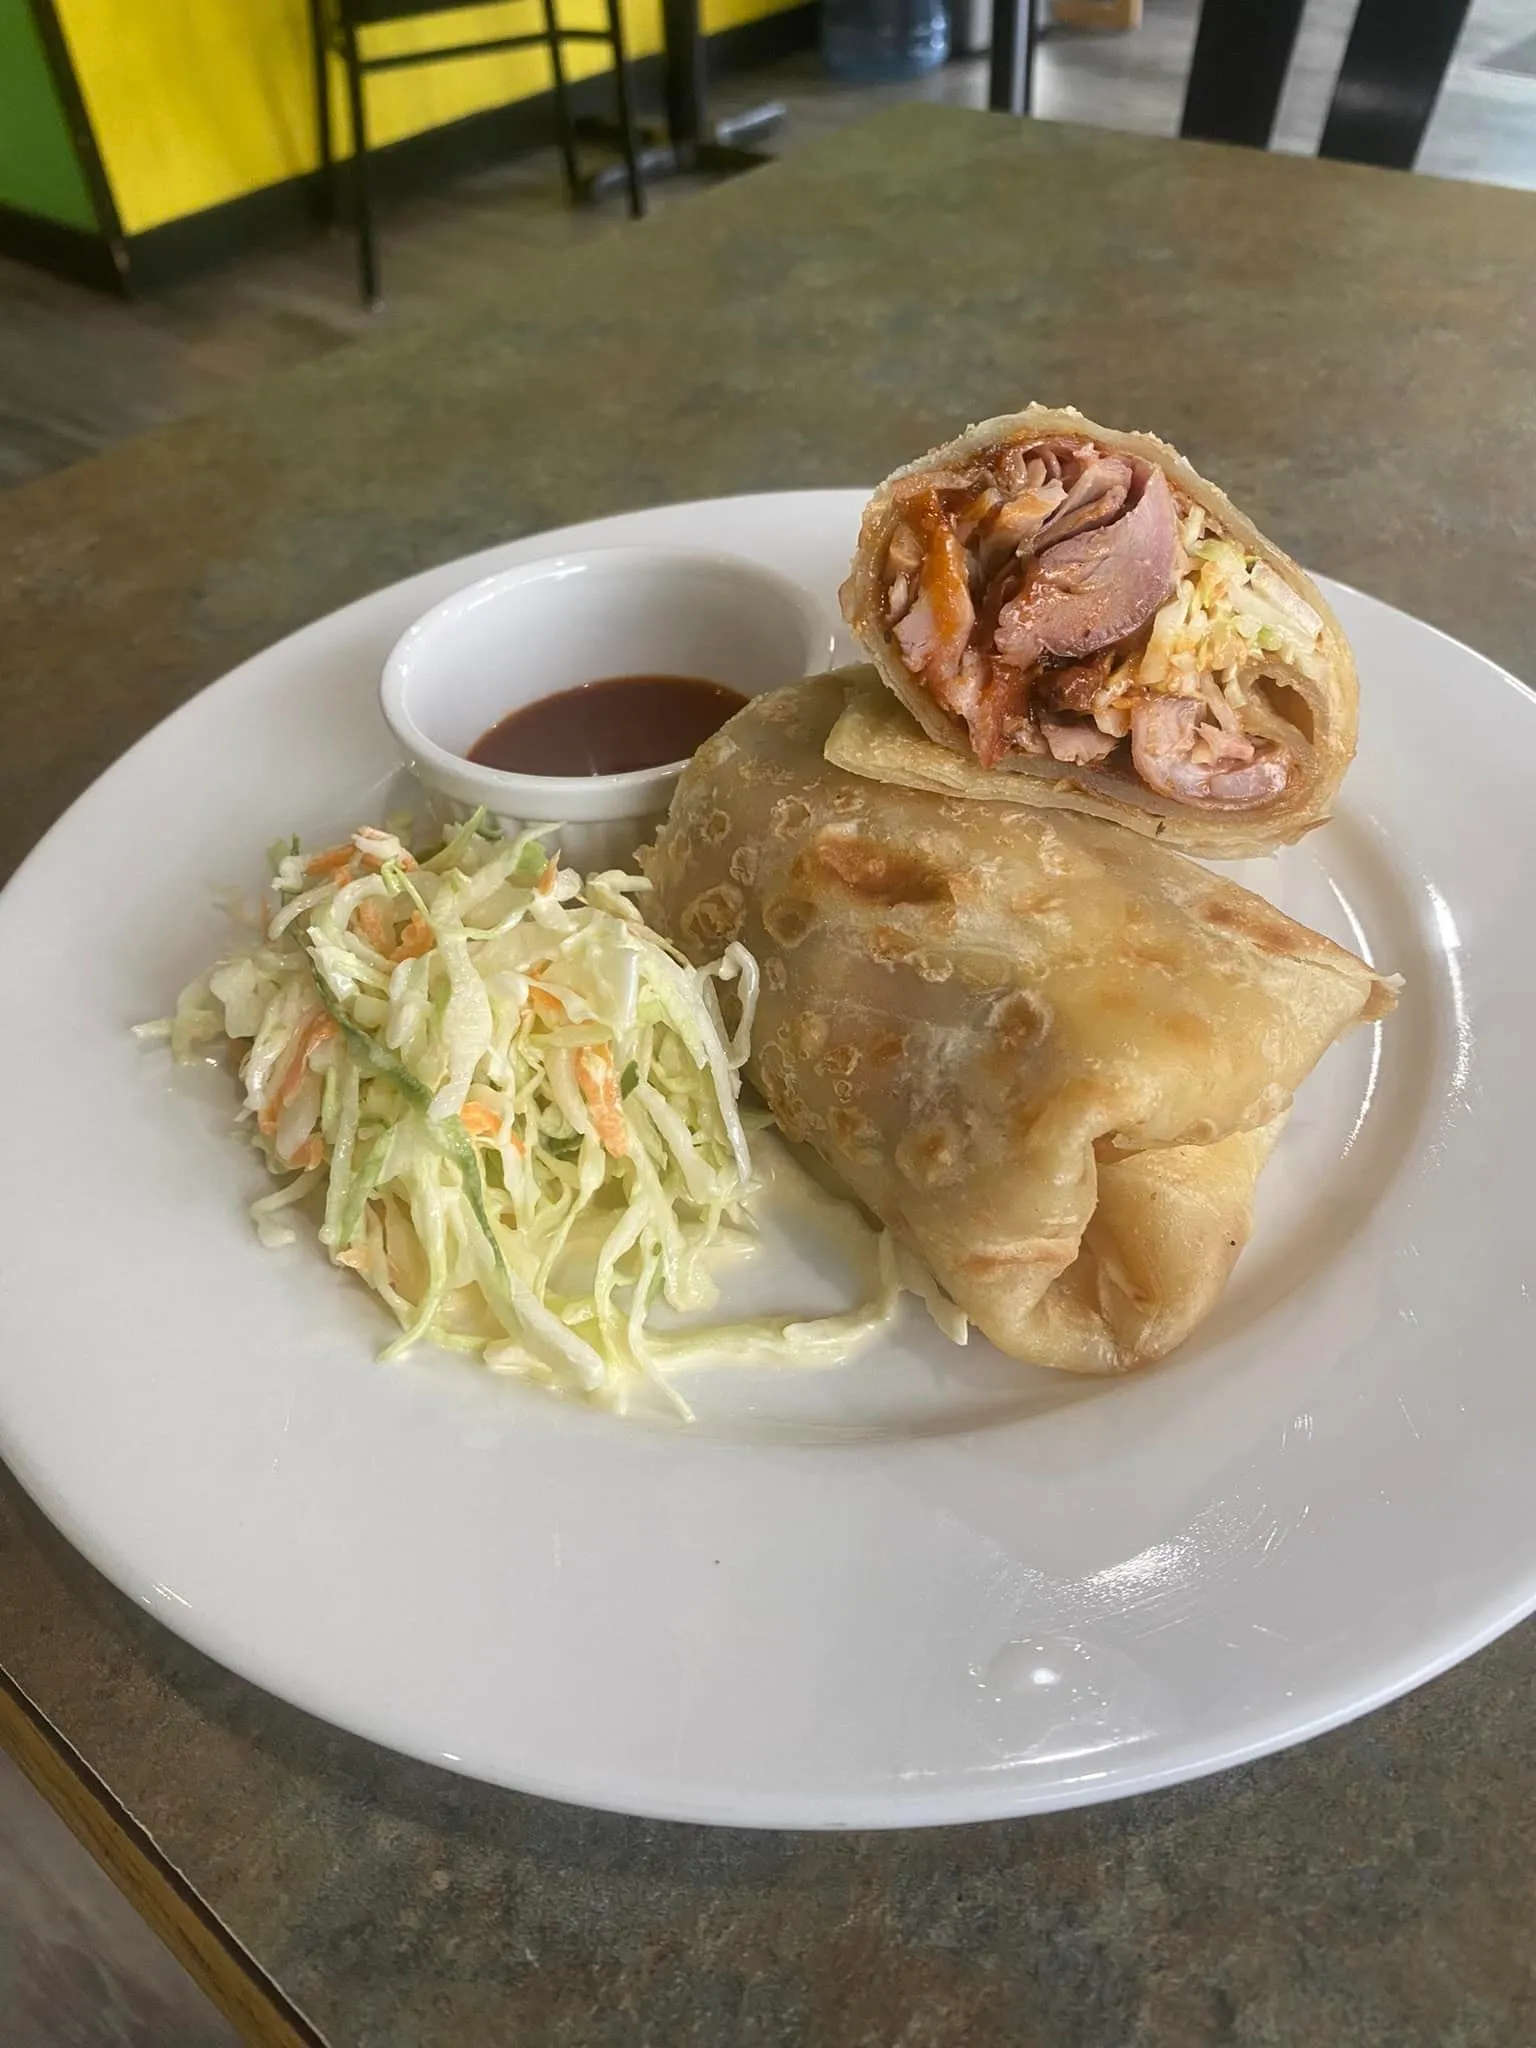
<point x="571" y="619"/>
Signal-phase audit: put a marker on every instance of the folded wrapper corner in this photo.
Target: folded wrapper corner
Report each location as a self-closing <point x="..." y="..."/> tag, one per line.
<point x="1051" y="1056"/>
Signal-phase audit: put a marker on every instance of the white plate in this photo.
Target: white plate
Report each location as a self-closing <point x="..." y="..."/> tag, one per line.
<point x="933" y="1586"/>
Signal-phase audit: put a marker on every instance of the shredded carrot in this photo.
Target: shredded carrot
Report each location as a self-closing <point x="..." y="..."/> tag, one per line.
<point x="373" y="923"/>
<point x="599" y="1086"/>
<point x="415" y="940"/>
<point x="331" y="862"/>
<point x="545" y="885"/>
<point x="310" y="1153"/>
<point x="546" y="1004"/>
<point x="481" y="1121"/>
<point x="319" y="1028"/>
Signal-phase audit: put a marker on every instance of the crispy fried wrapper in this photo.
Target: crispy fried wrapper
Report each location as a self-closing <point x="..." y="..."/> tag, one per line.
<point x="1051" y="1056"/>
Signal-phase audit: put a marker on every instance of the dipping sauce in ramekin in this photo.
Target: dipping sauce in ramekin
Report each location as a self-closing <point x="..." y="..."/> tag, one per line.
<point x="547" y="630"/>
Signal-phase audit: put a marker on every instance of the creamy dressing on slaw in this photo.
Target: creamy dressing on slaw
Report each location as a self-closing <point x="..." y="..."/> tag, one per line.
<point x="518" y="1105"/>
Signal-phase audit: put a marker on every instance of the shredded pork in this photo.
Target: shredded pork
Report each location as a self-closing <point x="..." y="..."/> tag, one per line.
<point x="1022" y="593"/>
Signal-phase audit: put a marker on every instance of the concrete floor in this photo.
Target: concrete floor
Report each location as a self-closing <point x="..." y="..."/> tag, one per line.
<point x="79" y="371"/>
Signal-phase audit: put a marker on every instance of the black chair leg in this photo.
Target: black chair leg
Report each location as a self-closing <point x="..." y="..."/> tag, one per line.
<point x="362" y="194"/>
<point x="319" y="31"/>
<point x="621" y="88"/>
<point x="564" y="119"/>
<point x="1011" y="72"/>
<point x="1242" y="56"/>
<point x="1390" y="79"/>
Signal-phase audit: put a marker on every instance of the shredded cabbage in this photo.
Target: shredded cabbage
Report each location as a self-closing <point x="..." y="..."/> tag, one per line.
<point x="520" y="1101"/>
<point x="1228" y="611"/>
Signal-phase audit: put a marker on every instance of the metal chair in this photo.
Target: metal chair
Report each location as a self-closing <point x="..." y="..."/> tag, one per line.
<point x="1011" y="70"/>
<point x="1394" y="65"/>
<point x="336" y="26"/>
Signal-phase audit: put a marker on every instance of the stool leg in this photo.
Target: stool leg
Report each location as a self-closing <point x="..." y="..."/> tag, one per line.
<point x="626" y="112"/>
<point x="564" y="121"/>
<point x="319" y="30"/>
<point x="362" y="194"/>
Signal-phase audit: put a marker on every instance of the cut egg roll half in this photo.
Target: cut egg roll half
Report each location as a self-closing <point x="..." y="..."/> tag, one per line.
<point x="1067" y="615"/>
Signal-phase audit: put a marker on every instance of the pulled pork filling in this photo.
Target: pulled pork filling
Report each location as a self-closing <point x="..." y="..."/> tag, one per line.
<point x="1061" y="600"/>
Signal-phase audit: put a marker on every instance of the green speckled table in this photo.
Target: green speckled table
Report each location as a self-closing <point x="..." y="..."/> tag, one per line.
<point x="1354" y="354"/>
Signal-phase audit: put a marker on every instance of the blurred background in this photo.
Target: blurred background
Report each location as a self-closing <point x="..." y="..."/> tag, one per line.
<point x="168" y="228"/>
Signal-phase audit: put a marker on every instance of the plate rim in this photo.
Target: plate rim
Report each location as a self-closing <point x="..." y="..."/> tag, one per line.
<point x="959" y="1800"/>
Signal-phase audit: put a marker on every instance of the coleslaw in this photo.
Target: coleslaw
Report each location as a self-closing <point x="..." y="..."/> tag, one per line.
<point x="1228" y="611"/>
<point x="516" y="1102"/>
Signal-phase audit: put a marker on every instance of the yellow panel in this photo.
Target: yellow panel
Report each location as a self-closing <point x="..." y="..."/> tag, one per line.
<point x="197" y="101"/>
<point x="193" y="102"/>
<point x="719" y="14"/>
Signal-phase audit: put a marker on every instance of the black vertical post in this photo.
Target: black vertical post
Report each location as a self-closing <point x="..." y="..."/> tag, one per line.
<point x="684" y="76"/>
<point x="320" y="36"/>
<point x="362" y="189"/>
<point x="1237" y="74"/>
<point x="564" y="120"/>
<point x="1393" y="69"/>
<point x="1011" y="78"/>
<point x="626" y="102"/>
